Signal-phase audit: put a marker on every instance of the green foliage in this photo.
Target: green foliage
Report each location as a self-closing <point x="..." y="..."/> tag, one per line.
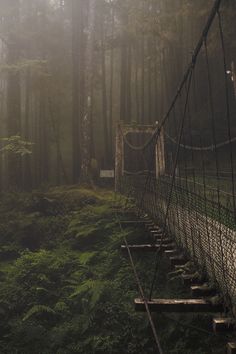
<point x="62" y="299"/>
<point x="16" y="145"/>
<point x="38" y="310"/>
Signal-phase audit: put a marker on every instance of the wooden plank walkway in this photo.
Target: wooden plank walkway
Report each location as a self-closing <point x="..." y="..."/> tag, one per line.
<point x="178" y="305"/>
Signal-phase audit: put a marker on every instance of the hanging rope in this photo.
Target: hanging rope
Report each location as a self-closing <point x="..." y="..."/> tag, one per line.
<point x="212" y="147"/>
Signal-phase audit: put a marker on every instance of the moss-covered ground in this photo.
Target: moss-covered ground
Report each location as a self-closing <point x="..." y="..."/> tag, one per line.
<point x="65" y="286"/>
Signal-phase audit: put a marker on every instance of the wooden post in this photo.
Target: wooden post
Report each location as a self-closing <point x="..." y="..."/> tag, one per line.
<point x="160" y="155"/>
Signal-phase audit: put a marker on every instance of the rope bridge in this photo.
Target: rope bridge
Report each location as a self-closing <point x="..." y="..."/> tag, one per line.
<point x="181" y="172"/>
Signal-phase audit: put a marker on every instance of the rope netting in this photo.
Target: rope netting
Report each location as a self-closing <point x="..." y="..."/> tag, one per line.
<point x="183" y="175"/>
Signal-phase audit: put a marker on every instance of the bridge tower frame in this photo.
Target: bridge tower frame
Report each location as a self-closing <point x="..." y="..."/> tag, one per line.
<point x="124" y="129"/>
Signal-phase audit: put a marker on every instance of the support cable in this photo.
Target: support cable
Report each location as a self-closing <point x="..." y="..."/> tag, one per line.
<point x="212" y="147"/>
<point x="141" y="291"/>
<point x="173" y="177"/>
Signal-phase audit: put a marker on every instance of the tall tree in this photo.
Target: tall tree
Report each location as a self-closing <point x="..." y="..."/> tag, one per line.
<point x="13" y="88"/>
<point x="86" y="122"/>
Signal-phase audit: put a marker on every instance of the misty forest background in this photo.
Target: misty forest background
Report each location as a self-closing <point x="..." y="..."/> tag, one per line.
<point x="69" y="70"/>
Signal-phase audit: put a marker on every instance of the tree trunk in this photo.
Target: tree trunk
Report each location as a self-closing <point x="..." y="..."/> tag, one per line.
<point x="111" y="86"/>
<point x="86" y="123"/>
<point x="13" y="95"/>
<point x="76" y="69"/>
<point x="104" y="96"/>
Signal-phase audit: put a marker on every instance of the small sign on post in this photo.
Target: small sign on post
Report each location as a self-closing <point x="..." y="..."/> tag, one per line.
<point x="107" y="174"/>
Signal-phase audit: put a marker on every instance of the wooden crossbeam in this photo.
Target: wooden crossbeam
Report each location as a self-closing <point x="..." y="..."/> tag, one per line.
<point x="164" y="241"/>
<point x="223" y="325"/>
<point x="190" y="279"/>
<point x="202" y="290"/>
<point x="231" y="348"/>
<point x="172" y="252"/>
<point x="169" y="246"/>
<point x="178" y="305"/>
<point x="158" y="238"/>
<point x="142" y="248"/>
<point x="148" y="247"/>
<point x="155" y="231"/>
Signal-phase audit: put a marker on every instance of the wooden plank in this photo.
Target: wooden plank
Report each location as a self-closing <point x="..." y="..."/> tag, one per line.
<point x="191" y="279"/>
<point x="148" y="247"/>
<point x="168" y="247"/>
<point x="231" y="348"/>
<point x="202" y="290"/>
<point x="165" y="246"/>
<point x="156" y="231"/>
<point x="171" y="253"/>
<point x="159" y="236"/>
<point x="164" y="241"/>
<point x="178" y="305"/>
<point x="223" y="325"/>
<point x="141" y="248"/>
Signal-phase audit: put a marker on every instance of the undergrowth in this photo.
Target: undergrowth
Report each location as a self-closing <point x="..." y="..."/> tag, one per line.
<point x="66" y="288"/>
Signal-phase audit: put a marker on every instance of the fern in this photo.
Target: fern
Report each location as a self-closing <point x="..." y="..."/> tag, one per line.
<point x="94" y="288"/>
<point x="38" y="310"/>
<point x="86" y="257"/>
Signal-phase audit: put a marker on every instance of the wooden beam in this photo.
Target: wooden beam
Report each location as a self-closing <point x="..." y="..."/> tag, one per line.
<point x="202" y="290"/>
<point x="158" y="237"/>
<point x="164" y="241"/>
<point x="223" y="325"/>
<point x="172" y="252"/>
<point x="178" y="305"/>
<point x="148" y="247"/>
<point x="168" y="246"/>
<point x="190" y="279"/>
<point x="141" y="248"/>
<point x="231" y="348"/>
<point x="155" y="231"/>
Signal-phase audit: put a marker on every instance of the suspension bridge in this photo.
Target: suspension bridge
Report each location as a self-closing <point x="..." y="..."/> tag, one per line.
<point x="181" y="175"/>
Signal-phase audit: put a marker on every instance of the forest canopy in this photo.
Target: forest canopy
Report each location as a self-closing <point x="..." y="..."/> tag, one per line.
<point x="71" y="69"/>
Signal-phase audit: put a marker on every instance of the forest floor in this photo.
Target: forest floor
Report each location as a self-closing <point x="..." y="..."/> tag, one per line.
<point x="65" y="286"/>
